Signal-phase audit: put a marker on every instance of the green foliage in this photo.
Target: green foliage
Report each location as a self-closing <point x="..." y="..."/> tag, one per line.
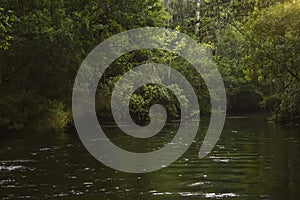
<point x="146" y="96"/>
<point x="29" y="110"/>
<point x="151" y="94"/>
<point x="272" y="55"/>
<point x="42" y="43"/>
<point x="6" y="20"/>
<point x="218" y="28"/>
<point x="255" y="45"/>
<point x="243" y="94"/>
<point x="47" y="45"/>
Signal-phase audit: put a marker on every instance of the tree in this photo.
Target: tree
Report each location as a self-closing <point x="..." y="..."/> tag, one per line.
<point x="273" y="55"/>
<point x="51" y="38"/>
<point x="218" y="27"/>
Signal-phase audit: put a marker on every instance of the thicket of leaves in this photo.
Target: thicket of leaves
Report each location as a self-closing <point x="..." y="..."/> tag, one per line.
<point x="42" y="44"/>
<point x="273" y="56"/>
<point x="49" y="41"/>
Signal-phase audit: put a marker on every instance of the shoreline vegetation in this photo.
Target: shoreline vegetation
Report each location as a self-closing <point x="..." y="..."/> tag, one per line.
<point x="255" y="45"/>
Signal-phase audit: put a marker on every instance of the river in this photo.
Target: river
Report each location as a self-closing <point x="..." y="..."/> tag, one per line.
<point x="254" y="159"/>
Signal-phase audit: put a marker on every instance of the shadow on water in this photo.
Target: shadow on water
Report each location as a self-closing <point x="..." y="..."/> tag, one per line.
<point x="254" y="159"/>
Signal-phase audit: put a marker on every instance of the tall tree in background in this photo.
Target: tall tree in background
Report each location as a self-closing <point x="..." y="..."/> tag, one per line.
<point x="221" y="27"/>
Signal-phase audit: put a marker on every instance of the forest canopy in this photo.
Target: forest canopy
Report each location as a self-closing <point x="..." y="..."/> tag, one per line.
<point x="254" y="43"/>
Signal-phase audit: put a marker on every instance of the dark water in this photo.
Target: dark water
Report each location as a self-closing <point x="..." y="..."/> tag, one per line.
<point x="254" y="159"/>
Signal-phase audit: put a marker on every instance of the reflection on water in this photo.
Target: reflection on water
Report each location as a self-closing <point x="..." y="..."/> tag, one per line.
<point x="253" y="159"/>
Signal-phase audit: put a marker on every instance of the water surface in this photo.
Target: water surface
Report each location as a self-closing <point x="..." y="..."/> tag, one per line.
<point x="254" y="159"/>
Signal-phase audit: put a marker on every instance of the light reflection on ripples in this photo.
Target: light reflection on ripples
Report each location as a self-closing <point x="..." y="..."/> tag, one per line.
<point x="11" y="168"/>
<point x="196" y="194"/>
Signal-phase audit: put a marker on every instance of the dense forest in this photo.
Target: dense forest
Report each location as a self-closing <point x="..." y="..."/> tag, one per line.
<point x="255" y="44"/>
